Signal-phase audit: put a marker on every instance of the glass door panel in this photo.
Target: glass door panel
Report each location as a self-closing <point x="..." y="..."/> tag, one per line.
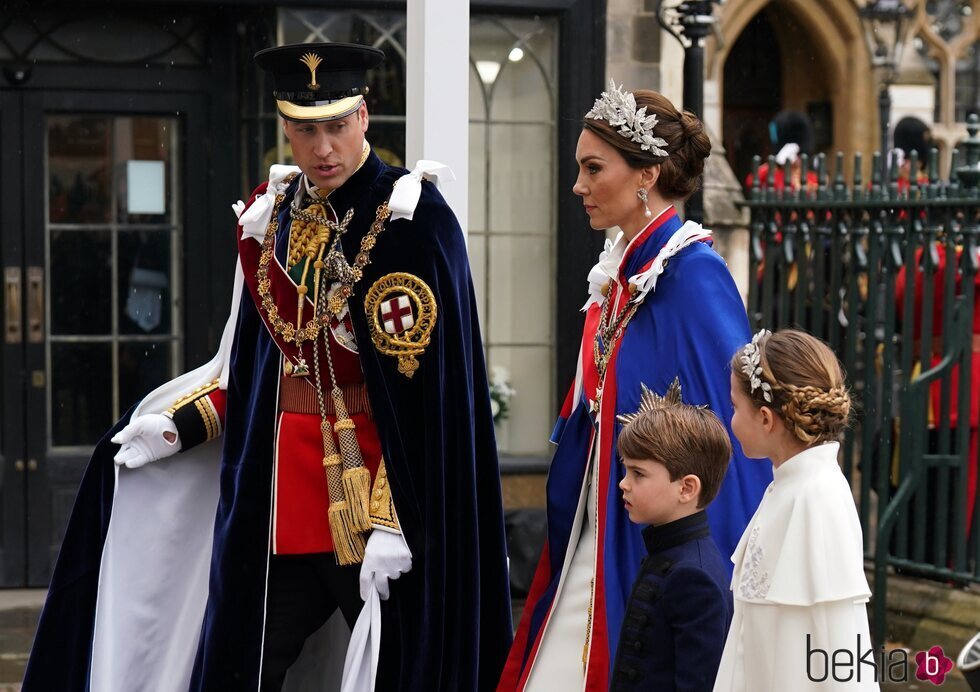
<point x="112" y="248"/>
<point x="91" y="244"/>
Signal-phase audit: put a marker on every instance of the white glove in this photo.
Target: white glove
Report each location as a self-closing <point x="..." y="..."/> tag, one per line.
<point x="144" y="440"/>
<point x="386" y="557"/>
<point x="789" y="153"/>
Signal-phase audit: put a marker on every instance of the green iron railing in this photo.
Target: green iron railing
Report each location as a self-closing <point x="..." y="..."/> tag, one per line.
<point x="886" y="272"/>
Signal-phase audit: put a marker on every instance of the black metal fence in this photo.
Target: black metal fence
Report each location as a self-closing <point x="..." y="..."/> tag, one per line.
<point x="886" y="271"/>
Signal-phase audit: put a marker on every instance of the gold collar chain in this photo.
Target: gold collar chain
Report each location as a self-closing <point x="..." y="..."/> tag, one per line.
<point x="608" y="334"/>
<point x="300" y="333"/>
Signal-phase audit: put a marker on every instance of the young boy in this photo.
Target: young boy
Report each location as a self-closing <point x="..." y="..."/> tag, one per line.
<point x="680" y="608"/>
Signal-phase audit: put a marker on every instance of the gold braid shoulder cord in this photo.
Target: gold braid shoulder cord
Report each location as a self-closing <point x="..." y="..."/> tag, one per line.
<point x="348" y="480"/>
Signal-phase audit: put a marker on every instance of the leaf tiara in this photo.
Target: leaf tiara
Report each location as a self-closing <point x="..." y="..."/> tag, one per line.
<point x="618" y="108"/>
<point x="752" y="366"/>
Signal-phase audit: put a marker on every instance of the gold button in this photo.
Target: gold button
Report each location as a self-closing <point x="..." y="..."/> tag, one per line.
<point x="377" y="494"/>
<point x="381" y="482"/>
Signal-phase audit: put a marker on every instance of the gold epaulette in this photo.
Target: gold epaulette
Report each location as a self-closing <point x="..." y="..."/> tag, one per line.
<point x="382" y="510"/>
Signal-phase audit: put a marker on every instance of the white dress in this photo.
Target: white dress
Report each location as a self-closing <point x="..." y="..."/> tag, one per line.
<point x="558" y="665"/>
<point x="799" y="586"/>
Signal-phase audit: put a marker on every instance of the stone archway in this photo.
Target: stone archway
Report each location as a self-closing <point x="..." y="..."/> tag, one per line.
<point x="822" y="57"/>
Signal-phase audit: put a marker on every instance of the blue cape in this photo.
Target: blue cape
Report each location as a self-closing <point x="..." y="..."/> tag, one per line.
<point x="689" y="327"/>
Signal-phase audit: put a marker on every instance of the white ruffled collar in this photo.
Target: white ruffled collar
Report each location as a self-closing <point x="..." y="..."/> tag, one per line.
<point x="613" y="258"/>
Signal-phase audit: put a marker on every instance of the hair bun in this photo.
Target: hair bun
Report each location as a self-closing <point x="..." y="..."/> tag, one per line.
<point x="695" y="136"/>
<point x="690" y="124"/>
<point x="814" y="412"/>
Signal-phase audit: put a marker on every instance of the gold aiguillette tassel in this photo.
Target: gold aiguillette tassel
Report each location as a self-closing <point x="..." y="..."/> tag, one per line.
<point x="356" y="478"/>
<point x="348" y="543"/>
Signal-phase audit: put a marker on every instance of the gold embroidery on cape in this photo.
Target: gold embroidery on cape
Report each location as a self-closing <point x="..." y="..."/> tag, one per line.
<point x="382" y="505"/>
<point x="414" y="340"/>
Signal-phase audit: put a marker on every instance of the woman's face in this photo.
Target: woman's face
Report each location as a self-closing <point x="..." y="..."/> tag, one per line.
<point x="608" y="185"/>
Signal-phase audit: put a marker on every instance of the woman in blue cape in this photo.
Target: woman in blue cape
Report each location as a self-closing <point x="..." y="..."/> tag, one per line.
<point x="661" y="305"/>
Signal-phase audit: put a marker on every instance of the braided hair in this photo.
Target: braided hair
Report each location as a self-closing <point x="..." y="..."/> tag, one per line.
<point x="806" y="385"/>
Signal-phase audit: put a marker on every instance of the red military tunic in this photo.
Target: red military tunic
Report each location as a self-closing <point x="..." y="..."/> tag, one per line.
<point x="300" y="492"/>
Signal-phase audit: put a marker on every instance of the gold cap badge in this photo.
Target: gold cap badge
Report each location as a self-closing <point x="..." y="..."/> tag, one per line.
<point x="312" y="61"/>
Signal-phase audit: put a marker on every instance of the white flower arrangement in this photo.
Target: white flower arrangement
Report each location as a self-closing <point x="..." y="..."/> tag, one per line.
<point x="500" y="393"/>
<point x="618" y="108"/>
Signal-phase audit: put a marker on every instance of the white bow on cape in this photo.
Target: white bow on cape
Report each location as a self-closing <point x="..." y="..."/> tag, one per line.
<point x="255" y="220"/>
<point x="405" y="196"/>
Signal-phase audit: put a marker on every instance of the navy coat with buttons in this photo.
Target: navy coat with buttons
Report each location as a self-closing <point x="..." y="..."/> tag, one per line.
<point x="678" y="613"/>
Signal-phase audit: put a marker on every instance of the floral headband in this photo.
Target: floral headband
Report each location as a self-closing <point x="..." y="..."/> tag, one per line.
<point x="618" y="108"/>
<point x="752" y="366"/>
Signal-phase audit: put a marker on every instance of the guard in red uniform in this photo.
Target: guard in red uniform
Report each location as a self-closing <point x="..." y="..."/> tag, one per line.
<point x="937" y="349"/>
<point x="790" y="135"/>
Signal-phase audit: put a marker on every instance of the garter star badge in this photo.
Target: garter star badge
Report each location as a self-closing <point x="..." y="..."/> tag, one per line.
<point x="401" y="311"/>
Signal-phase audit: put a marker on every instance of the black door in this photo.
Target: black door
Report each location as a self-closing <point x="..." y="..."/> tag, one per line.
<point x="100" y="210"/>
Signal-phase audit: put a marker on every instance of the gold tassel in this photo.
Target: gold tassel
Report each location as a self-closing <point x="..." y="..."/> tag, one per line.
<point x="348" y="545"/>
<point x="356" y="478"/>
<point x="357" y="493"/>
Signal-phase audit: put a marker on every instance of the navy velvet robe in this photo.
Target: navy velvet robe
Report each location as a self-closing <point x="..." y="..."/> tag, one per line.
<point x="447" y="625"/>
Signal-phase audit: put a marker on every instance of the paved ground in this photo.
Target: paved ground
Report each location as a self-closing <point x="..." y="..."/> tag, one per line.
<point x="19" y="610"/>
<point x="18" y="618"/>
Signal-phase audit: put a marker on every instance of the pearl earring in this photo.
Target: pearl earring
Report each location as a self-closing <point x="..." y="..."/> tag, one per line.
<point x="642" y="194"/>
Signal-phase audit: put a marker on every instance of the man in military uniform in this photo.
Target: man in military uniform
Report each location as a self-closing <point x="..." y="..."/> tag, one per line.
<point x="340" y="444"/>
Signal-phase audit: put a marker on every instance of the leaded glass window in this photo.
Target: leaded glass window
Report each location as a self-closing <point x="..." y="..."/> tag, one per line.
<point x="513" y="168"/>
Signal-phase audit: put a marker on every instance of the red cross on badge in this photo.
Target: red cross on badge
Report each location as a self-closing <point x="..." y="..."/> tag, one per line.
<point x="397" y="315"/>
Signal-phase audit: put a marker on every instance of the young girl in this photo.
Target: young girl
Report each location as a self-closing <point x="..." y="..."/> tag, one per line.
<point x="799" y="586"/>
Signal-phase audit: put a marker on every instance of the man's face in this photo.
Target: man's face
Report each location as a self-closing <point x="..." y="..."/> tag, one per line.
<point x="328" y="152"/>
